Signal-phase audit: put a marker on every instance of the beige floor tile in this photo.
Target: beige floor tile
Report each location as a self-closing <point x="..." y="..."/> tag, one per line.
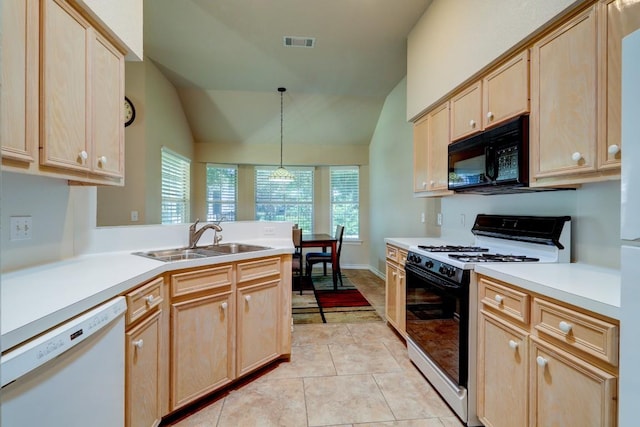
<point x="344" y="400"/>
<point x="426" y="422"/>
<point x="306" y="361"/>
<point x="360" y="358"/>
<point x="205" y="417"/>
<point x="373" y="332"/>
<point x="279" y="402"/>
<point x="451" y="422"/>
<point x="336" y="333"/>
<point x="411" y="397"/>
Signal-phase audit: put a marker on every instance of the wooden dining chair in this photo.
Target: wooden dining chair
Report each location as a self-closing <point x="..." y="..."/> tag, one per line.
<point x="296" y="259"/>
<point x="325" y="257"/>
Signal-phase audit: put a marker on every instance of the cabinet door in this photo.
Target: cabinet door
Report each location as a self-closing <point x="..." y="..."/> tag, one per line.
<point x="564" y="98"/>
<point x="19" y="65"/>
<point x="391" y="295"/>
<point x="566" y="391"/>
<point x="438" y="142"/>
<point x="65" y="137"/>
<point x="502" y="373"/>
<point x="258" y="326"/>
<point x="619" y="20"/>
<point x="420" y="155"/>
<point x="107" y="104"/>
<point x="143" y="405"/>
<point x="201" y="347"/>
<point x="505" y="91"/>
<point x="466" y="112"/>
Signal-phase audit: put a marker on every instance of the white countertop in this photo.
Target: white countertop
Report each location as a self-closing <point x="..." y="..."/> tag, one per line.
<point x="39" y="298"/>
<point x="405" y="242"/>
<point x="593" y="288"/>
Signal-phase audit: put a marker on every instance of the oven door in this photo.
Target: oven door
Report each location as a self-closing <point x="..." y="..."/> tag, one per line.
<point x="437" y="321"/>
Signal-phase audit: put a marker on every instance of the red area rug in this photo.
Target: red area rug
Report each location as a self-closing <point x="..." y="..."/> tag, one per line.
<point x="341" y="298"/>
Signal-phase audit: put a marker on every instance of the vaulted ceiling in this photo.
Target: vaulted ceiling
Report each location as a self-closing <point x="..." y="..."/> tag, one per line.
<point x="227" y="58"/>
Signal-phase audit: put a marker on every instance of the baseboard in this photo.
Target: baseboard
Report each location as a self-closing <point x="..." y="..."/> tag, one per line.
<point x="364" y="267"/>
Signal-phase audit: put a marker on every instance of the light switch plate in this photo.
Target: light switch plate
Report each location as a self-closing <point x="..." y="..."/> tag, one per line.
<point x="20" y="227"/>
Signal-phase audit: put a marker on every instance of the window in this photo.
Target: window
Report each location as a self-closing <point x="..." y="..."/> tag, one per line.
<point x="176" y="178"/>
<point x="222" y="190"/>
<point x="285" y="201"/>
<point x="345" y="200"/>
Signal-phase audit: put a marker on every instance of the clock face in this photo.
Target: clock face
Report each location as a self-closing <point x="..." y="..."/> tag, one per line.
<point x="129" y="112"/>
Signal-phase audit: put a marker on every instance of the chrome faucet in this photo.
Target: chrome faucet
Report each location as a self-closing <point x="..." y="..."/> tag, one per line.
<point x="194" y="235"/>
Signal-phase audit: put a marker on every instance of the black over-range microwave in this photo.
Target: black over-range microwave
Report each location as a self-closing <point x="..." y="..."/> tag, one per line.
<point x="495" y="161"/>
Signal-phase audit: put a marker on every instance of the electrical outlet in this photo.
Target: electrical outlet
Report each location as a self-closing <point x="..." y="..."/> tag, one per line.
<point x="21" y="227"/>
<point x="439" y="219"/>
<point x="422" y="217"/>
<point x="134" y="216"/>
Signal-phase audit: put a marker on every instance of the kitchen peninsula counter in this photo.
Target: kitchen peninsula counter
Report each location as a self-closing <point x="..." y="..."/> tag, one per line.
<point x="38" y="298"/>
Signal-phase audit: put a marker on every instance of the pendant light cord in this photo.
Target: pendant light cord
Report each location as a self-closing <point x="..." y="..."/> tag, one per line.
<point x="281" y="123"/>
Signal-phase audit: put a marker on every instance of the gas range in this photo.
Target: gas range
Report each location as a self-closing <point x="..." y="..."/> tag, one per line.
<point x="499" y="238"/>
<point x="441" y="297"/>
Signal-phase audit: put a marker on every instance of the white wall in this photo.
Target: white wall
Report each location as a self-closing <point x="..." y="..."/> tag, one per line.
<point x="124" y="20"/>
<point x="594" y="209"/>
<point x="49" y="203"/>
<point x="455" y="39"/>
<point x="394" y="210"/>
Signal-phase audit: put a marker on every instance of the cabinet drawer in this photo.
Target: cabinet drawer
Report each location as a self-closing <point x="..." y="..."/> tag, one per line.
<point x="252" y="270"/>
<point x="505" y="301"/>
<point x="144" y="299"/>
<point x="581" y="331"/>
<point x="201" y="280"/>
<point x="402" y="257"/>
<point x="393" y="253"/>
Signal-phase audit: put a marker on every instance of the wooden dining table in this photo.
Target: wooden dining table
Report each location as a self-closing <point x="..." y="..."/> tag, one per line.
<point x="324" y="241"/>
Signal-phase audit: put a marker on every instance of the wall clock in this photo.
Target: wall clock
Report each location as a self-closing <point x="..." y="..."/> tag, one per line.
<point x="129" y="112"/>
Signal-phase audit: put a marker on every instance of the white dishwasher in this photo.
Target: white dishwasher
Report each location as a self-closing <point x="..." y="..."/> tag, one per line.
<point x="73" y="375"/>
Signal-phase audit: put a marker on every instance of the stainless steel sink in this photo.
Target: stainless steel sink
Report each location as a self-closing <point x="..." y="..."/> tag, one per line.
<point x="180" y="254"/>
<point x="236" y="248"/>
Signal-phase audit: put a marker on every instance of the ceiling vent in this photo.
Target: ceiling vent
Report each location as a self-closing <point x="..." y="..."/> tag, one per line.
<point x="290" y="41"/>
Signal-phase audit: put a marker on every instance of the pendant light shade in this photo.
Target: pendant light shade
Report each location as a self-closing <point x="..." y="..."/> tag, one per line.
<point x="281" y="174"/>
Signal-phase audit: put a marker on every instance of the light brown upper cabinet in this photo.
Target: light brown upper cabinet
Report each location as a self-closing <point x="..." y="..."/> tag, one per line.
<point x="19" y="95"/>
<point x="576" y="96"/>
<point x="564" y="98"/>
<point x="501" y="94"/>
<point x="430" y="142"/>
<point x="505" y="91"/>
<point x="82" y="106"/>
<point x="618" y="20"/>
<point x="466" y="112"/>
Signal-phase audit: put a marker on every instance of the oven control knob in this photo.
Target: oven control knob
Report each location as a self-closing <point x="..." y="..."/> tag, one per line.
<point x="429" y="264"/>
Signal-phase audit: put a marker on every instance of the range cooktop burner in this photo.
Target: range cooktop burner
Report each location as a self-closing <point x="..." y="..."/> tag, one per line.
<point x="492" y="258"/>
<point x="453" y="248"/>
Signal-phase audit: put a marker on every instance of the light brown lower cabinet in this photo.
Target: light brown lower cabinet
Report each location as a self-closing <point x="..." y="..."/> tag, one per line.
<point x="542" y="362"/>
<point x="202" y="327"/>
<point x="145" y="355"/>
<point x="395" y="288"/>
<point x="218" y="323"/>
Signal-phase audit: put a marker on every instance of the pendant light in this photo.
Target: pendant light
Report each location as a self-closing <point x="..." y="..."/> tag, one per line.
<point x="281" y="174"/>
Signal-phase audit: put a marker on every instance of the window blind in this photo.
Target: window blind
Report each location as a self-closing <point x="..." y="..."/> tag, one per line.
<point x="285" y="201"/>
<point x="345" y="200"/>
<point x="176" y="180"/>
<point x="222" y="192"/>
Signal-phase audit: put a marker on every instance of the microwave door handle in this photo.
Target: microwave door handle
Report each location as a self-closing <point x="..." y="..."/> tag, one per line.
<point x="490" y="167"/>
